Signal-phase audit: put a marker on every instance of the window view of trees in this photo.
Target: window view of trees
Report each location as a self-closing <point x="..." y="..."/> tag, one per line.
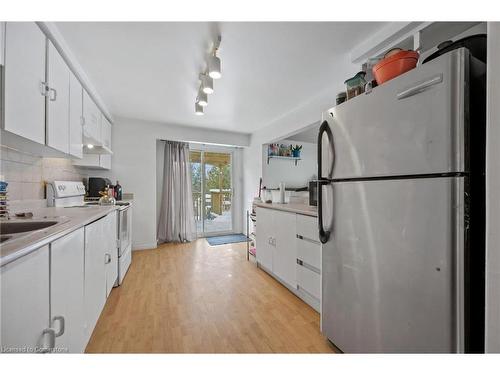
<point x="213" y="200"/>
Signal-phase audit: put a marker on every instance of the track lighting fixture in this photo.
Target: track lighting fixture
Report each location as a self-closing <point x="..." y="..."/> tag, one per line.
<point x="202" y="98"/>
<point x="214" y="67"/>
<point x="207" y="83"/>
<point x="213" y="71"/>
<point x="213" y="62"/>
<point x="198" y="109"/>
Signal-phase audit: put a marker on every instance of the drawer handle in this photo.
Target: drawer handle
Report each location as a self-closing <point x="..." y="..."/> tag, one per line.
<point x="300" y="237"/>
<point x="300" y="262"/>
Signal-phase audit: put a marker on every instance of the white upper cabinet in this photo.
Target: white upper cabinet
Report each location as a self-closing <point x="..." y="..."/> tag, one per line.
<point x="25" y="89"/>
<point x="58" y="101"/>
<point x="91" y="121"/>
<point x="75" y="117"/>
<point x="2" y="42"/>
<point x="106" y="133"/>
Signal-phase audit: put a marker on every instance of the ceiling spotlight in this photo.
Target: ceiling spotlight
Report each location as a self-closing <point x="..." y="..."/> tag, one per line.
<point x="214" y="67"/>
<point x="202" y="98"/>
<point x="207" y="84"/>
<point x="198" y="109"/>
<point x="90" y="146"/>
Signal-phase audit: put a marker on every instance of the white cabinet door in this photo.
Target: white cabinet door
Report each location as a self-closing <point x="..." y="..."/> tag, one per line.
<point x="58" y="101"/>
<point x="91" y="121"/>
<point x="25" y="302"/>
<point x="67" y="291"/>
<point x="285" y="252"/>
<point x="25" y="80"/>
<point x="75" y="117"/>
<point x="106" y="132"/>
<point x="105" y="161"/>
<point x="95" y="274"/>
<point x="111" y="252"/>
<point x="264" y="238"/>
<point x="2" y="42"/>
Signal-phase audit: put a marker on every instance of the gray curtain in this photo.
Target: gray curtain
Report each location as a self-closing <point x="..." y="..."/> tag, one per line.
<point x="176" y="223"/>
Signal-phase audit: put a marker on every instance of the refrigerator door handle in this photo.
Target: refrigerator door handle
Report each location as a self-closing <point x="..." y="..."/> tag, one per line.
<point x="418" y="88"/>
<point x="324" y="235"/>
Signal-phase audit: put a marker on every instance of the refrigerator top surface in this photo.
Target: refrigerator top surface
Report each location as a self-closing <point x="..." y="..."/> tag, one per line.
<point x="411" y="125"/>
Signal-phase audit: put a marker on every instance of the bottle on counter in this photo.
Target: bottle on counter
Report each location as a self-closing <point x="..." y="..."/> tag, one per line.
<point x="118" y="191"/>
<point x="282" y="192"/>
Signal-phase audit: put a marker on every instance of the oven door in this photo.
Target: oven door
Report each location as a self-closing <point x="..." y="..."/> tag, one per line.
<point x="124" y="229"/>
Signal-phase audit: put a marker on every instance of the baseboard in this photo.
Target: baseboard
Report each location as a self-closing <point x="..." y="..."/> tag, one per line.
<point x="147" y="246"/>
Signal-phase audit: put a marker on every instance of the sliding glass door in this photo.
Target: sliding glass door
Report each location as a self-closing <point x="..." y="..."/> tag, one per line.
<point x="211" y="176"/>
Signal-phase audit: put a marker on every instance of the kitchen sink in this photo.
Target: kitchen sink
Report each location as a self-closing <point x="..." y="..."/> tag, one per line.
<point x="12" y="227"/>
<point x="4" y="238"/>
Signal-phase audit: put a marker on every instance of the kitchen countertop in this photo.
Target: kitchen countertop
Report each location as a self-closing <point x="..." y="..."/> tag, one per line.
<point x="71" y="218"/>
<point x="298" y="208"/>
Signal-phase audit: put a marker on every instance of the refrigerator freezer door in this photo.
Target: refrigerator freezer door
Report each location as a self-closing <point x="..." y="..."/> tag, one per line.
<point x="392" y="267"/>
<point x="413" y="124"/>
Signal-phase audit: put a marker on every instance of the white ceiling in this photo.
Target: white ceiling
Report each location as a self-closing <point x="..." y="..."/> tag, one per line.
<point x="150" y="70"/>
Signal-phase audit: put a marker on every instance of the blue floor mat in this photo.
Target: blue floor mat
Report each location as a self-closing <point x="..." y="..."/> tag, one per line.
<point x="231" y="238"/>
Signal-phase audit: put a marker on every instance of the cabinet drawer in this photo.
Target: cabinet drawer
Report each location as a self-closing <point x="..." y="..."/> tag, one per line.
<point x="309" y="252"/>
<point x="307" y="226"/>
<point x="308" y="280"/>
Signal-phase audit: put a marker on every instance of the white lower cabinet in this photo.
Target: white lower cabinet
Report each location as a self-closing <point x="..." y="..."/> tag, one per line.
<point x="285" y="251"/>
<point x="101" y="267"/>
<point x="288" y="248"/>
<point x="25" y="304"/>
<point x="95" y="274"/>
<point x="264" y="238"/>
<point x="111" y="251"/>
<point x="276" y="250"/>
<point x="308" y="261"/>
<point x="51" y="299"/>
<point x="67" y="291"/>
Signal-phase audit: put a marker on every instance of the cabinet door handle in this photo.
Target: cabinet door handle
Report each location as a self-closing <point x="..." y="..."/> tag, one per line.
<point x="107" y="258"/>
<point x="61" y="324"/>
<point x="43" y="88"/>
<point x="52" y="94"/>
<point x="49" y="340"/>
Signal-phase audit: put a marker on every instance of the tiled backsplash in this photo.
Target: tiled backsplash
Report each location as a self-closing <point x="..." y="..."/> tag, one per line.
<point x="27" y="174"/>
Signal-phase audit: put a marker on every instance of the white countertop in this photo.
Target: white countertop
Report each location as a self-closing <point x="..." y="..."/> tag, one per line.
<point x="298" y="208"/>
<point x="72" y="218"/>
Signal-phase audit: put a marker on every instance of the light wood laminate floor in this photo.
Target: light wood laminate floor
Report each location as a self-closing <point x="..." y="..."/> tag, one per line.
<point x="193" y="298"/>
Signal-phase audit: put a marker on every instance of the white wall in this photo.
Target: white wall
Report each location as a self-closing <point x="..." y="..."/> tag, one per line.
<point x="290" y="123"/>
<point x="294" y="176"/>
<point x="492" y="192"/>
<point x="134" y="164"/>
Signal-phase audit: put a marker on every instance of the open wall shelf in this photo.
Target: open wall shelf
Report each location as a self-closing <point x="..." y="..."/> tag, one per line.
<point x="283" y="158"/>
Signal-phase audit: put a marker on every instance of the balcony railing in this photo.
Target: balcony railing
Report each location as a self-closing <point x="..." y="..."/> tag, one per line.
<point x="216" y="202"/>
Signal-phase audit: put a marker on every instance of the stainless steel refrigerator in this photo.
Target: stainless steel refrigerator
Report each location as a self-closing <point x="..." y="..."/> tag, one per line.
<point x="401" y="212"/>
